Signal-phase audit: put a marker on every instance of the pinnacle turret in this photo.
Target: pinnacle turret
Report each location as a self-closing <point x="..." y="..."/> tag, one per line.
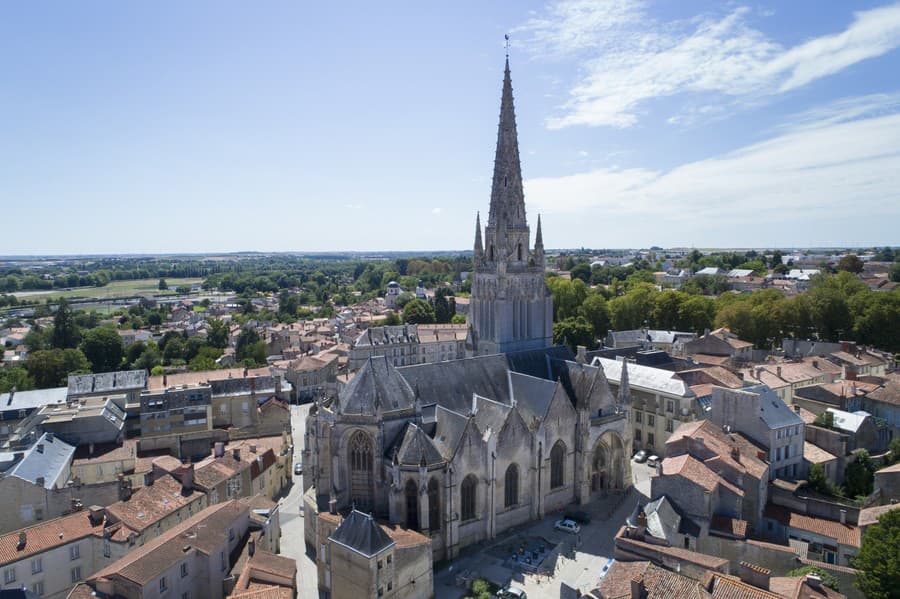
<point x="538" y="237"/>
<point x="479" y="248"/>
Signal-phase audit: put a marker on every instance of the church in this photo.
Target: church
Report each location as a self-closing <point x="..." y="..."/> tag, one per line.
<point x="462" y="450"/>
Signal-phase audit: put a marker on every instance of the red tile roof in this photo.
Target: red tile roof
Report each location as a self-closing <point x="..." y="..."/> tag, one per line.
<point x="47" y="535"/>
<point x="845" y="534"/>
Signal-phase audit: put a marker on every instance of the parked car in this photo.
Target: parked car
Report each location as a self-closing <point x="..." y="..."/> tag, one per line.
<point x="579" y="516"/>
<point x="298" y="468"/>
<point x="569" y="526"/>
<point x="640" y="457"/>
<point x="511" y="592"/>
<point x="653" y="461"/>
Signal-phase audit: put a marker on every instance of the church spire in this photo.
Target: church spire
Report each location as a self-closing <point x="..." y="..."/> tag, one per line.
<point x="507" y="195"/>
<point x="538" y="237"/>
<point x="479" y="249"/>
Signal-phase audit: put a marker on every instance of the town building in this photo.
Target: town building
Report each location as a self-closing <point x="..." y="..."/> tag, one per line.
<point x="409" y="344"/>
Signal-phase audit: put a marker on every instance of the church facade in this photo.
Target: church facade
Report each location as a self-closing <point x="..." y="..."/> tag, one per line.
<point x="464" y="449"/>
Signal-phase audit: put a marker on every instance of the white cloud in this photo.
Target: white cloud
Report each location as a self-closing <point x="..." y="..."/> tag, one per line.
<point x="833" y="169"/>
<point x="436" y="211"/>
<point x="629" y="58"/>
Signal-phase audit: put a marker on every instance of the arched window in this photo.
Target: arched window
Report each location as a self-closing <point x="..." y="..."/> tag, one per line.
<point x="467" y="497"/>
<point x="511" y="485"/>
<point x="434" y="505"/>
<point x="491" y="253"/>
<point x="361" y="475"/>
<point x="412" y="505"/>
<point x="519" y="252"/>
<point x="557" y="465"/>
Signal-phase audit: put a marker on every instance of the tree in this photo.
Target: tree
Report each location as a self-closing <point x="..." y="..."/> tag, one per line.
<point x="444" y="305"/>
<point x="574" y="332"/>
<point x="418" y="311"/>
<point x="174" y="350"/>
<point x="895" y="272"/>
<point x="850" y="263"/>
<point x="879" y="558"/>
<point x="894" y="448"/>
<point x="859" y="476"/>
<point x="103" y="348"/>
<point x="243" y="346"/>
<point x="51" y="367"/>
<point x="634" y="309"/>
<point x="581" y="271"/>
<point x="183" y="289"/>
<point x="15" y="377"/>
<point x="696" y="314"/>
<point x="163" y="286"/>
<point x="818" y="480"/>
<point x="65" y="331"/>
<point x="217" y="335"/>
<point x="150" y="358"/>
<point x="390" y="319"/>
<point x="667" y="309"/>
<point x="826" y="577"/>
<point x="596" y="312"/>
<point x="458" y="319"/>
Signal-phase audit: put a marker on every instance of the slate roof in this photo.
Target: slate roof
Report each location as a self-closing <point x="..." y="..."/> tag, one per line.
<point x="646" y="377"/>
<point x="449" y="428"/>
<point x="30" y="400"/>
<point x="532" y="394"/>
<point x="451" y="384"/>
<point x="377" y="385"/>
<point x="49" y="457"/>
<point x="774" y="412"/>
<point x="490" y="414"/>
<point x="848" y="421"/>
<point x="362" y="534"/>
<point x="412" y="445"/>
<point x="106" y="382"/>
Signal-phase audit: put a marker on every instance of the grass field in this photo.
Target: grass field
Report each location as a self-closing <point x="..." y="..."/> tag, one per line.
<point x="113" y="289"/>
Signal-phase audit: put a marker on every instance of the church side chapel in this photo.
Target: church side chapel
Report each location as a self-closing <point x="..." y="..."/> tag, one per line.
<point x="464" y="449"/>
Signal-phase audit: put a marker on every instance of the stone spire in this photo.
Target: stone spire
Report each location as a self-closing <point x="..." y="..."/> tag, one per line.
<point x="507" y="229"/>
<point x="624" y="386"/>
<point x="479" y="248"/>
<point x="539" y="237"/>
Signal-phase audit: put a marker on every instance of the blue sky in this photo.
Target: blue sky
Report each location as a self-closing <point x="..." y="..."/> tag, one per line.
<point x="228" y="126"/>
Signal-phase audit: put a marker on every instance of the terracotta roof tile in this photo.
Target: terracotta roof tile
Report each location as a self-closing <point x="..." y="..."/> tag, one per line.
<point x="47" y="535"/>
<point x="845" y="534"/>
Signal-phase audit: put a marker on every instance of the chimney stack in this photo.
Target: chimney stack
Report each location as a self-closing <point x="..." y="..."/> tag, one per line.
<point x="236" y="453"/>
<point x="843" y="516"/>
<point x="23" y="540"/>
<point x="813" y="581"/>
<point x="638" y="590"/>
<point x="187" y="478"/>
<point x="778" y="371"/>
<point x="148" y="479"/>
<point x="755" y="575"/>
<point x="219" y="449"/>
<point x="95" y="515"/>
<point x="251" y="547"/>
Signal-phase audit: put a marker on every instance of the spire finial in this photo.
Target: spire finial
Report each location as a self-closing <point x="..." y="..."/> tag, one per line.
<point x="507" y="46"/>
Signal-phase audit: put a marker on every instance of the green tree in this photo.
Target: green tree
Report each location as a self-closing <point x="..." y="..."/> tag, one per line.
<point x="157" y="370"/>
<point x="65" y="331"/>
<point x="217" y="335"/>
<point x="567" y="296"/>
<point x="183" y="289"/>
<point x="879" y="558"/>
<point x="458" y="319"/>
<point x="850" y="263"/>
<point x="444" y="305"/>
<point x="390" y="319"/>
<point x="174" y="350"/>
<point x="104" y="349"/>
<point x="418" y="311"/>
<point x="696" y="314"/>
<point x="37" y="339"/>
<point x="894" y="450"/>
<point x="574" y="332"/>
<point x="15" y="377"/>
<point x="826" y="577"/>
<point x="667" y="309"/>
<point x="150" y="358"/>
<point x="582" y="271"/>
<point x="163" y="286"/>
<point x="51" y="367"/>
<point x="595" y="311"/>
<point x="245" y="344"/>
<point x="818" y="480"/>
<point x="634" y="309"/>
<point x="859" y="476"/>
<point x="894" y="272"/>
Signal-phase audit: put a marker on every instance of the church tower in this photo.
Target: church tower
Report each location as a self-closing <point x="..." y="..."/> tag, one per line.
<point x="511" y="308"/>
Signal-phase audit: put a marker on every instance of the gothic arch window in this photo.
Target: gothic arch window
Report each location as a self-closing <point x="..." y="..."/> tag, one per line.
<point x="434" y="505"/>
<point x="468" y="491"/>
<point x="491" y="253"/>
<point x="511" y="486"/>
<point x="519" y="251"/>
<point x="557" y="465"/>
<point x="361" y="470"/>
<point x="412" y="505"/>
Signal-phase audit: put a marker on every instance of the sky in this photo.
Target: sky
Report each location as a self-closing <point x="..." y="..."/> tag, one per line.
<point x="191" y="127"/>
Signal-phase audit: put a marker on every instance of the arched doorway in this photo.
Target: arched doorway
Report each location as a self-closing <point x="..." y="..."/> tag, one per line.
<point x="362" y="477"/>
<point x="608" y="464"/>
<point x="600" y="468"/>
<point x="412" y="505"/>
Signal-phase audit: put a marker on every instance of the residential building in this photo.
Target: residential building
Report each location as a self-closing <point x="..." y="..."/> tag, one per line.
<point x="409" y="344"/>
<point x="818" y="539"/>
<point x="785" y="377"/>
<point x="266" y="576"/>
<point x="127" y="382"/>
<point x="660" y="401"/>
<point x="193" y="559"/>
<point x="761" y="415"/>
<point x="16" y="406"/>
<point x="722" y="344"/>
<point x="176" y="410"/>
<point x="85" y="421"/>
<point x="668" y="341"/>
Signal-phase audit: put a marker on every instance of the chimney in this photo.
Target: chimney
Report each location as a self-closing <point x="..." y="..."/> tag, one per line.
<point x="165" y="380"/>
<point x="219" y="449"/>
<point x="813" y="581"/>
<point x="236" y="453"/>
<point x="251" y="547"/>
<point x="755" y="575"/>
<point x="246" y="370"/>
<point x="278" y="386"/>
<point x="736" y="454"/>
<point x="39" y="481"/>
<point x="252" y="448"/>
<point x="148" y="479"/>
<point x="187" y="478"/>
<point x="581" y="356"/>
<point x="124" y="488"/>
<point x="23" y="540"/>
<point x="332" y="505"/>
<point x="253" y="386"/>
<point x="95" y="515"/>
<point x="778" y="371"/>
<point x="815" y="364"/>
<point x="642" y="522"/>
<point x="843" y="516"/>
<point x="638" y="590"/>
<point x="91" y="448"/>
